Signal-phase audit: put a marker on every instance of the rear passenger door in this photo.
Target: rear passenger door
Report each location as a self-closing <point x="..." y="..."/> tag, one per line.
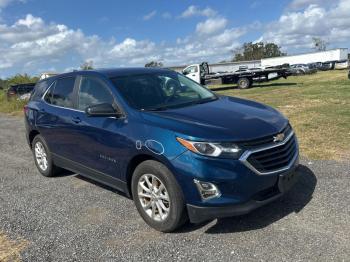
<point x="103" y="143"/>
<point x="55" y="119"/>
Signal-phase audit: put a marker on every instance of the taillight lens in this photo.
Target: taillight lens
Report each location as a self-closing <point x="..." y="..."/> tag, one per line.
<point x="25" y="109"/>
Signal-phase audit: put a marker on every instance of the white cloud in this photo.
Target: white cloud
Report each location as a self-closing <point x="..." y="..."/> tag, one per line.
<point x="130" y="48"/>
<point x="149" y="15"/>
<point x="196" y="11"/>
<point x="299" y="4"/>
<point x="211" y="26"/>
<point x="296" y="29"/>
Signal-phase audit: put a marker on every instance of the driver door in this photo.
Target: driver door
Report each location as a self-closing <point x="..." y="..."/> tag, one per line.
<point x="193" y="72"/>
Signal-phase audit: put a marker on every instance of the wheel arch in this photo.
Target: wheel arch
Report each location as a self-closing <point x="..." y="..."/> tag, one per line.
<point x="32" y="135"/>
<point x="137" y="160"/>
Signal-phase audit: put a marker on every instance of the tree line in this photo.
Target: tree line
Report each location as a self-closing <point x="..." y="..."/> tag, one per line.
<point x="17" y="79"/>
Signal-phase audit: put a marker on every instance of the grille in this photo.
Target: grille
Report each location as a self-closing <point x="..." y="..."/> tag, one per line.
<point x="264" y="140"/>
<point x="274" y="159"/>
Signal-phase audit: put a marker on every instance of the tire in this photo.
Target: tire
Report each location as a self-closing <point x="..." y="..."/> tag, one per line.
<point x="244" y="83"/>
<point x="159" y="213"/>
<point x="48" y="169"/>
<point x="301" y="72"/>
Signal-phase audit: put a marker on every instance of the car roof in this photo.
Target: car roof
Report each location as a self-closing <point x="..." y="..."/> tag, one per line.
<point x="114" y="72"/>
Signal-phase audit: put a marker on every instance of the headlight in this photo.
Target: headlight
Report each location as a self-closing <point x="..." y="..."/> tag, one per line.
<point x="229" y="150"/>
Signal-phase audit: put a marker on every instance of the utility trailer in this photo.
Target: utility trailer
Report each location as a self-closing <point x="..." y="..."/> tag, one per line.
<point x="244" y="78"/>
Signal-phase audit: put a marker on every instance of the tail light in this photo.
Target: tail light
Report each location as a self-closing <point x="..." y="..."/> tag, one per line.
<point x="25" y="109"/>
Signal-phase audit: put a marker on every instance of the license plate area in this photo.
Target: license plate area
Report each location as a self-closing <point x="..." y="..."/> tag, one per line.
<point x="287" y="180"/>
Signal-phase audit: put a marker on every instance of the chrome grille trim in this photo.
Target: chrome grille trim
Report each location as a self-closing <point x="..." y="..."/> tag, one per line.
<point x="248" y="153"/>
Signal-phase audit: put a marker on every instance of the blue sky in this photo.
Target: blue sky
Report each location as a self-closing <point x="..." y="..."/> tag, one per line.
<point x="38" y="35"/>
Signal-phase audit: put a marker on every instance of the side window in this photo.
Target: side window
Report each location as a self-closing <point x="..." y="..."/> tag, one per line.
<point x="93" y="92"/>
<point x="191" y="70"/>
<point x="39" y="90"/>
<point x="62" y="94"/>
<point x="48" y="95"/>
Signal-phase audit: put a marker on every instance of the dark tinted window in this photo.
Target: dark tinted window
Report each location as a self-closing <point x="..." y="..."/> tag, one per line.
<point x="92" y="92"/>
<point x="158" y="91"/>
<point x="62" y="93"/>
<point x="39" y="90"/>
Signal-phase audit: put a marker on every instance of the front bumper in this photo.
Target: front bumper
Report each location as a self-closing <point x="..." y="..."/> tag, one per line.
<point x="285" y="182"/>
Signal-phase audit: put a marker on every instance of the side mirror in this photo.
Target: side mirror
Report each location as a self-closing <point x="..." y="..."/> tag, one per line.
<point x="101" y="110"/>
<point x="184" y="73"/>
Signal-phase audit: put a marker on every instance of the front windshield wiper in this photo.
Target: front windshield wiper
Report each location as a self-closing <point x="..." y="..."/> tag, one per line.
<point x="159" y="108"/>
<point x="166" y="107"/>
<point x="206" y="100"/>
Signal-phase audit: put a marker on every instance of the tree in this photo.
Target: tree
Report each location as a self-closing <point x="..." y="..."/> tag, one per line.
<point x="256" y="51"/>
<point x="18" y="79"/>
<point x="319" y="44"/>
<point x="87" y="65"/>
<point x="154" y="64"/>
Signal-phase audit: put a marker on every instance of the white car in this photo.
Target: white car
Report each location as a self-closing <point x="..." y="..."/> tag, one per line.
<point x="342" y="64"/>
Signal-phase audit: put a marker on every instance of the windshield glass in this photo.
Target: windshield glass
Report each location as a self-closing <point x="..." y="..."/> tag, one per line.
<point x="161" y="90"/>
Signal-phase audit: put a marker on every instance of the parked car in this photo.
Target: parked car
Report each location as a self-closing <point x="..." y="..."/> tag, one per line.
<point x="302" y="69"/>
<point x="179" y="150"/>
<point x="329" y="65"/>
<point x="16" y="91"/>
<point x="344" y="64"/>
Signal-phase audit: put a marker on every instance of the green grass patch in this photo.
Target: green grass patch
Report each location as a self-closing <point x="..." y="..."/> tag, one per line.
<point x="13" y="107"/>
<point x="318" y="107"/>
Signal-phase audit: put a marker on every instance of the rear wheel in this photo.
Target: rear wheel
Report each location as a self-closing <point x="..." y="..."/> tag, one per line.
<point x="158" y="197"/>
<point x="244" y="83"/>
<point x="43" y="158"/>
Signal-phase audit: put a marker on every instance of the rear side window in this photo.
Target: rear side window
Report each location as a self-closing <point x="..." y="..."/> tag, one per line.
<point x="93" y="92"/>
<point x="39" y="90"/>
<point x="61" y="94"/>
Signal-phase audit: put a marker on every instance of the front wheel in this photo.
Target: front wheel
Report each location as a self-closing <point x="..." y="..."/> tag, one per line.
<point x="158" y="197"/>
<point x="244" y="83"/>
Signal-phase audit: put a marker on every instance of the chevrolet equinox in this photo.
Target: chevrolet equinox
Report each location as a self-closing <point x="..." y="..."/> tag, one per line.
<point x="177" y="149"/>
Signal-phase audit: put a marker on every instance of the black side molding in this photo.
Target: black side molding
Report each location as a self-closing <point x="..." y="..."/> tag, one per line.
<point x="91" y="174"/>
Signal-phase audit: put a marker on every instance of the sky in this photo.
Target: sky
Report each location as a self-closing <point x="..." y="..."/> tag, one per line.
<point x="48" y="35"/>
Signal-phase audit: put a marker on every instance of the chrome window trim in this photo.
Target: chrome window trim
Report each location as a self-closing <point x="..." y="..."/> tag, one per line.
<point x="73" y="109"/>
<point x="247" y="154"/>
<point x="43" y="99"/>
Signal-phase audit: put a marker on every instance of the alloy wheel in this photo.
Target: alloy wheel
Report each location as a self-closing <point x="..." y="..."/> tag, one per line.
<point x="41" y="156"/>
<point x="154" y="197"/>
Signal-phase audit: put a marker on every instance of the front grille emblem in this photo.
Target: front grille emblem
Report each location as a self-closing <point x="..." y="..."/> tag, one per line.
<point x="278" y="138"/>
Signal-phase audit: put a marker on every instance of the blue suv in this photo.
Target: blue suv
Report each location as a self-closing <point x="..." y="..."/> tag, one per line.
<point x="177" y="149"/>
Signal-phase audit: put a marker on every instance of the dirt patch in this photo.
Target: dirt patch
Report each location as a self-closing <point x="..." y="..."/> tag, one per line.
<point x="10" y="250"/>
<point x="94" y="216"/>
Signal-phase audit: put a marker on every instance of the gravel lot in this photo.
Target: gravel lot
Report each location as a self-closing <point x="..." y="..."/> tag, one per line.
<point x="69" y="218"/>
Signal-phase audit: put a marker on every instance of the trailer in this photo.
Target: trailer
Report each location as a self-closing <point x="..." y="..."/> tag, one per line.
<point x="244" y="77"/>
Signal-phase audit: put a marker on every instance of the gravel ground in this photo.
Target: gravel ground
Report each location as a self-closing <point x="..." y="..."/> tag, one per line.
<point x="69" y="218"/>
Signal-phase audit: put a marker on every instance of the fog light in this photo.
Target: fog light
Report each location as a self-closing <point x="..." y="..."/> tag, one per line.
<point x="207" y="190"/>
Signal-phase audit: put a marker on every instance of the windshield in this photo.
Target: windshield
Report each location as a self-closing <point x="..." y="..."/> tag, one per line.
<point x="161" y="90"/>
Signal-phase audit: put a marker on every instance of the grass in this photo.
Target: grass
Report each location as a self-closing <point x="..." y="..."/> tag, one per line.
<point x="13" y="107"/>
<point x="10" y="250"/>
<point x="318" y="107"/>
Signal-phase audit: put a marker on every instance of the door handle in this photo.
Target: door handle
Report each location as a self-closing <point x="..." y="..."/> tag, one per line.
<point x="193" y="75"/>
<point x="76" y="120"/>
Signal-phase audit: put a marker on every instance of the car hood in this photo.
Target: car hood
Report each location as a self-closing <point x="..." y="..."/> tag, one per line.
<point x="226" y="118"/>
